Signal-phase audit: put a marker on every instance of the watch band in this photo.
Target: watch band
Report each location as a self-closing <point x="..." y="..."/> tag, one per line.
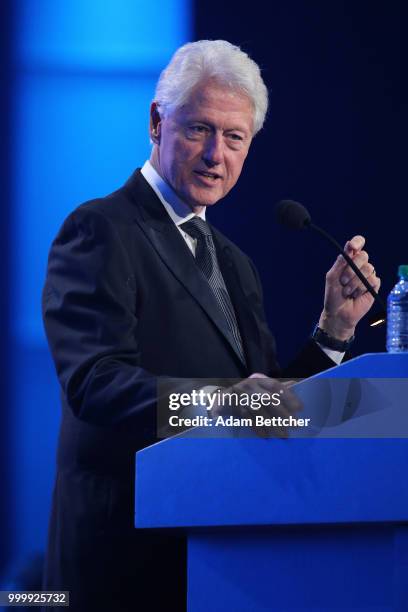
<point x="323" y="338"/>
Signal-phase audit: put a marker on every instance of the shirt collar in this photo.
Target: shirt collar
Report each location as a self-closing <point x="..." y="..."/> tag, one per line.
<point x="178" y="210"/>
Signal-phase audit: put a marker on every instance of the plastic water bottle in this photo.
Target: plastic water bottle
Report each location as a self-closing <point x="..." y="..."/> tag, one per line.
<point x="397" y="314"/>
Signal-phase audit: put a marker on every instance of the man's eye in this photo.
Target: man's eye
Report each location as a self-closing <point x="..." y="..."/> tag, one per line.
<point x="198" y="128"/>
<point x="235" y="137"/>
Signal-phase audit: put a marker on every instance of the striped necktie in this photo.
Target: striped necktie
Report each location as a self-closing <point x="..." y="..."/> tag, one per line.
<point x="206" y="260"/>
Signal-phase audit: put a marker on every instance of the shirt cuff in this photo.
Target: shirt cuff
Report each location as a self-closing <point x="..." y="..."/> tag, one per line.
<point x="335" y="356"/>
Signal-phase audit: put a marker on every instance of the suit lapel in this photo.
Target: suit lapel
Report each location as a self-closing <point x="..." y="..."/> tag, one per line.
<point x="172" y="249"/>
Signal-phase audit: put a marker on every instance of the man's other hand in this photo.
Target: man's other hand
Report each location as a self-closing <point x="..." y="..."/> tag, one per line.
<point x="289" y="404"/>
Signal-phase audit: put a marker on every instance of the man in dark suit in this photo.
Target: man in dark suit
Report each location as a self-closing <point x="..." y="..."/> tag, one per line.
<point x="139" y="287"/>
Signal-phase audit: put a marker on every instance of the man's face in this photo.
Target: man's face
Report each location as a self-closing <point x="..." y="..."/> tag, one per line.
<point x="201" y="147"/>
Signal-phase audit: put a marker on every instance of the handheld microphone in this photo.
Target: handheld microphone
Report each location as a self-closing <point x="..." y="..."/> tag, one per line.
<point x="295" y="216"/>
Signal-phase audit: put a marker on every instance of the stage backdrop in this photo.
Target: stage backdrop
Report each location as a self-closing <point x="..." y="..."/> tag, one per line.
<point x="77" y="85"/>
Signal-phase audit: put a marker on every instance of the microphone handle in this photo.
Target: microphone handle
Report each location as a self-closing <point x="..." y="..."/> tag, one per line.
<point x="351" y="263"/>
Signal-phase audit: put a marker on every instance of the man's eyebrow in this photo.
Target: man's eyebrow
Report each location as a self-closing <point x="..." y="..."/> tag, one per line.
<point x="242" y="130"/>
<point x="236" y="129"/>
<point x="191" y="119"/>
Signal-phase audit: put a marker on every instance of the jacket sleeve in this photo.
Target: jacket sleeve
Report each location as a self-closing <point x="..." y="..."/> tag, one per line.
<point x="90" y="318"/>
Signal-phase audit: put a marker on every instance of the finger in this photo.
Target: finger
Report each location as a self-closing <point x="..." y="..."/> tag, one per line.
<point x="285" y="409"/>
<point x="359" y="292"/>
<point x="336" y="270"/>
<point x="270" y="412"/>
<point x="360" y="261"/>
<point x="375" y="283"/>
<point x="276" y="429"/>
<point x="353" y="282"/>
<point x="258" y="375"/>
<point x="354" y="245"/>
<point x="271" y="386"/>
<point x="266" y="431"/>
<point x="273" y="430"/>
<point x="288" y="398"/>
<point x="257" y="385"/>
<point x="289" y="383"/>
<point x="368" y="272"/>
<point x="291" y="401"/>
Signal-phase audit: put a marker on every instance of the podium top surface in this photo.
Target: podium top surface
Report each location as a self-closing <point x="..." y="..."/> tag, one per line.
<point x="371" y="365"/>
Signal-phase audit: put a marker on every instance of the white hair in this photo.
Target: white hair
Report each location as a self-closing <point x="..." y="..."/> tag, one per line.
<point x="215" y="59"/>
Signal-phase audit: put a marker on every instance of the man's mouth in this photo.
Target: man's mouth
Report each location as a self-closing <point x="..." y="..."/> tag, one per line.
<point x="211" y="175"/>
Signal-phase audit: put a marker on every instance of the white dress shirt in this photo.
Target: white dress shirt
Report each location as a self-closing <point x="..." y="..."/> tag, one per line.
<point x="178" y="210"/>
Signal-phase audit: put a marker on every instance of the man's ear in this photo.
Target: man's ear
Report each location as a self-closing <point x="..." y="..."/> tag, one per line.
<point x="155" y="123"/>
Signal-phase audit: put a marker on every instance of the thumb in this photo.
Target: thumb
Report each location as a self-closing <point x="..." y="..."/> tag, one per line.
<point x="258" y="375"/>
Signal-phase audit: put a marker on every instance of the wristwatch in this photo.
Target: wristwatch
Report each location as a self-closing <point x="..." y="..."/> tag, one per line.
<point x="323" y="338"/>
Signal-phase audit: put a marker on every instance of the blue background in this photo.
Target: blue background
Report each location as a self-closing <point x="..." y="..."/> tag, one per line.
<point x="77" y="80"/>
<point x="80" y="78"/>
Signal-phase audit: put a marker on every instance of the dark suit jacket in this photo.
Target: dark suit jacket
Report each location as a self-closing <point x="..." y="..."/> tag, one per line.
<point x="124" y="303"/>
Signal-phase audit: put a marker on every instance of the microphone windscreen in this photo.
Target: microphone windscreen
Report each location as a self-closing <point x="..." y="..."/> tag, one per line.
<point x="292" y="214"/>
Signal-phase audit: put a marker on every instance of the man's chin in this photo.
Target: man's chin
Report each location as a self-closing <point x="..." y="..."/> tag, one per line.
<point x="204" y="200"/>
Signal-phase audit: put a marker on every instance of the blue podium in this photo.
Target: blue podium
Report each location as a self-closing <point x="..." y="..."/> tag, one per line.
<point x="313" y="524"/>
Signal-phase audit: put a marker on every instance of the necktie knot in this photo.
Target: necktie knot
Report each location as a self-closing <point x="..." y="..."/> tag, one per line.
<point x="196" y="228"/>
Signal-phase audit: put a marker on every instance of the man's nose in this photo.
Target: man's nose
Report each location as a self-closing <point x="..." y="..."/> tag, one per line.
<point x="213" y="150"/>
